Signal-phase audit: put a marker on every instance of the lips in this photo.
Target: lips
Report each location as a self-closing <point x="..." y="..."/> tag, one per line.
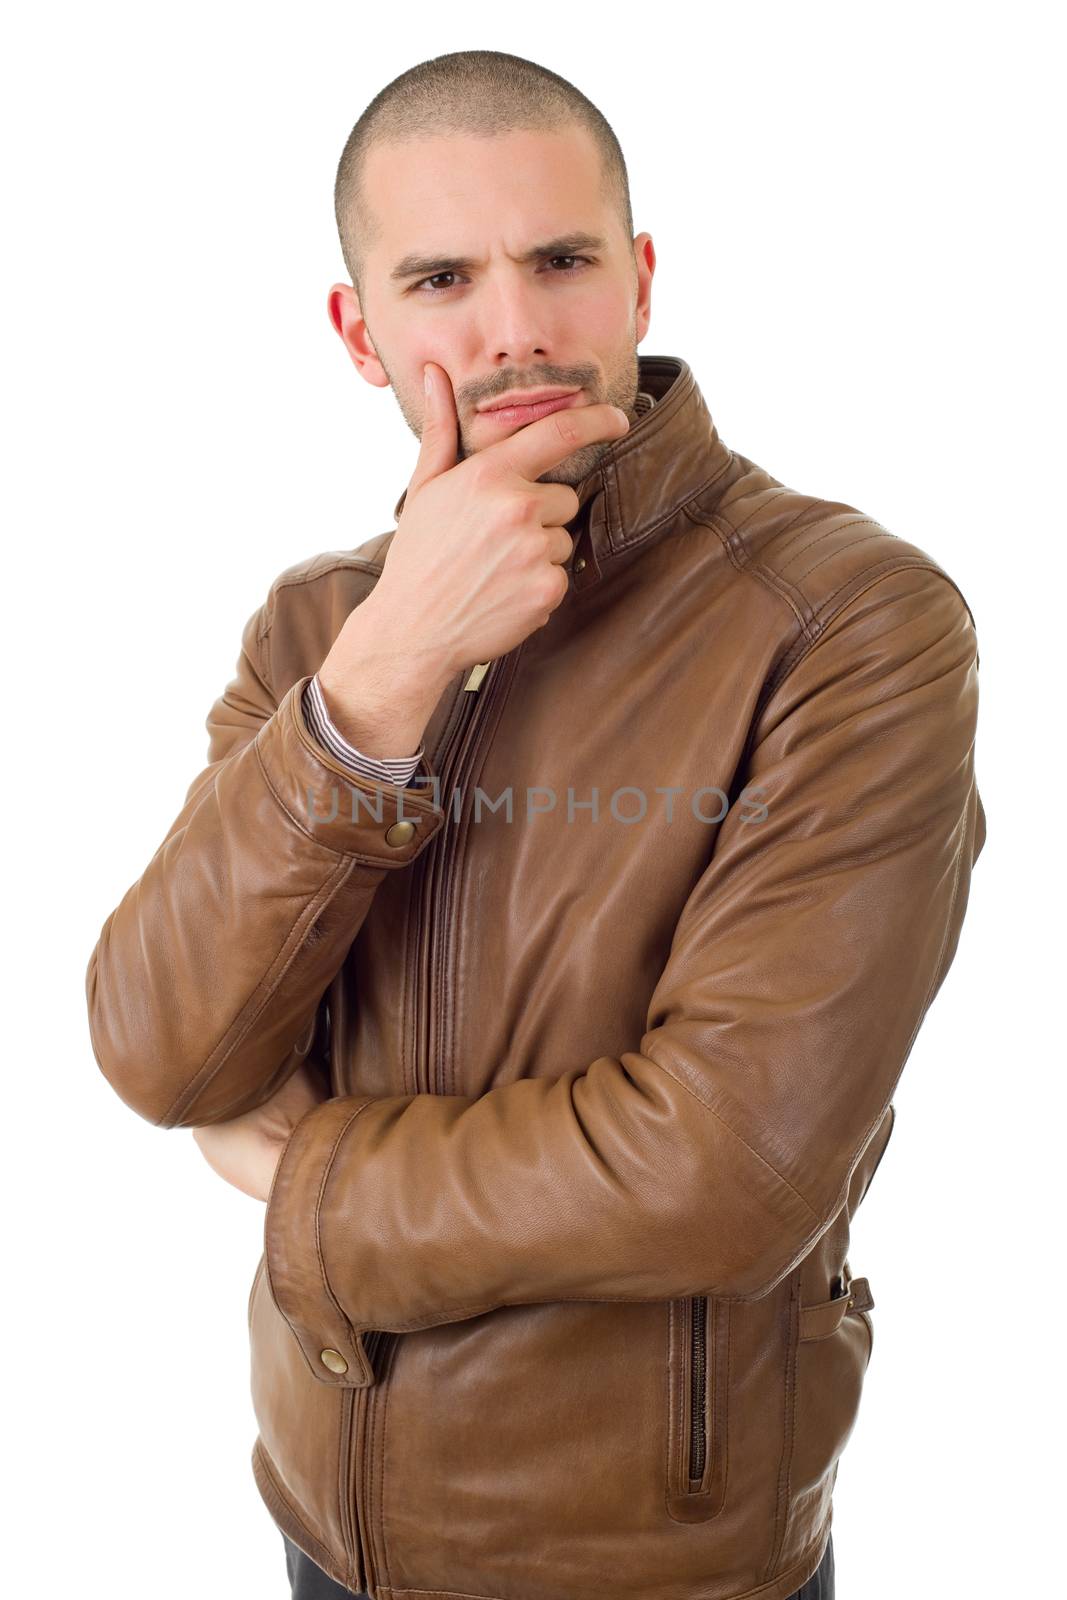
<point x="512" y="414"/>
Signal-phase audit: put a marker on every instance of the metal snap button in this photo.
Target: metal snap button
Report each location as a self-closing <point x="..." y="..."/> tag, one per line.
<point x="399" y="833"/>
<point x="334" y="1360"/>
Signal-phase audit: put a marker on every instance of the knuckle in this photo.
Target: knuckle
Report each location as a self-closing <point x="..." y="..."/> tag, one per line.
<point x="524" y="507"/>
<point x="513" y="509"/>
<point x="481" y="472"/>
<point x="565" y="425"/>
<point x="552" y="587"/>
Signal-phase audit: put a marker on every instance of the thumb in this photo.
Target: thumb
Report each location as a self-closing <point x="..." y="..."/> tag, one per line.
<point x="439" y="444"/>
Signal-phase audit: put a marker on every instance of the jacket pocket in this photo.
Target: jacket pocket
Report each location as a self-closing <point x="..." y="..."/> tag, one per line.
<point x="835" y="1339"/>
<point x="698" y="1386"/>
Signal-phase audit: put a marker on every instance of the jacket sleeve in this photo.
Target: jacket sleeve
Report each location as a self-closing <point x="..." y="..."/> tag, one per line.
<point x="204" y="984"/>
<point x="711" y="1156"/>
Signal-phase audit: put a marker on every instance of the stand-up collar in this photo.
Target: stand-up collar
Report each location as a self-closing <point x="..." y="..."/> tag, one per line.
<point x="670" y="454"/>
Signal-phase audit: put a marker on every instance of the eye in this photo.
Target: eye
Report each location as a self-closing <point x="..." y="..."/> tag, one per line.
<point x="571" y="272"/>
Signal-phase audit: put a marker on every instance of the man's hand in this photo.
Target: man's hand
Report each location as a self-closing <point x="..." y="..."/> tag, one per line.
<point x="475" y="565"/>
<point x="246" y="1150"/>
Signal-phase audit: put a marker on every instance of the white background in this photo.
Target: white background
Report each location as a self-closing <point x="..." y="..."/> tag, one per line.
<point x="854" y="214"/>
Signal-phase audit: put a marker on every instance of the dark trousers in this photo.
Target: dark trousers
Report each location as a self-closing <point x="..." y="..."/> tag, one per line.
<point x="309" y="1582"/>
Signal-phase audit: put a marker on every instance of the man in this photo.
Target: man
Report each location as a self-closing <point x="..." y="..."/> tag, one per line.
<point x="544" y="939"/>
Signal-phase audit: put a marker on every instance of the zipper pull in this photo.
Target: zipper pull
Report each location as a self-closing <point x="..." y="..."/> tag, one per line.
<point x="477" y="673"/>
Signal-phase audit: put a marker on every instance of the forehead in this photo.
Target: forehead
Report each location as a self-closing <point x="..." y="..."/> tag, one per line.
<point x="447" y="190"/>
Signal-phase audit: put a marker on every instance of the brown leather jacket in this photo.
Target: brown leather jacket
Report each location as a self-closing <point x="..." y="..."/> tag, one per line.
<point x="555" y="1297"/>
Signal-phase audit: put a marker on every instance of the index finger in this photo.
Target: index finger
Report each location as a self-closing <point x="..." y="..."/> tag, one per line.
<point x="534" y="448"/>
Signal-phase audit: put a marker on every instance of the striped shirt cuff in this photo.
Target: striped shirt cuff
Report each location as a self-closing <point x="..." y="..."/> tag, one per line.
<point x="381" y="769"/>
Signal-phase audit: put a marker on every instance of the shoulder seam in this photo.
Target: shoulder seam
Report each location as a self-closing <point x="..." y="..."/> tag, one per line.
<point x="345" y="563"/>
<point x="811" y="620"/>
<point x="802" y="646"/>
<point x="263" y="640"/>
<point x="848" y="592"/>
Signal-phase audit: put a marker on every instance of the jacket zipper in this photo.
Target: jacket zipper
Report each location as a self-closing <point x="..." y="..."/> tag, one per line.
<point x="449" y="761"/>
<point x="350" y="1519"/>
<point x="698" y="1376"/>
<point x="350" y="1414"/>
<point x="349" y="1530"/>
<point x="433" y="917"/>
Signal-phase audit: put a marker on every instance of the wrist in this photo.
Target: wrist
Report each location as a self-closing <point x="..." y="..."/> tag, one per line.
<point x="382" y="713"/>
<point x="392" y="659"/>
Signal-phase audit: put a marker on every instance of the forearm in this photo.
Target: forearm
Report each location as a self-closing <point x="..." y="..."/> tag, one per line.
<point x="203" y="986"/>
<point x="614" y="1183"/>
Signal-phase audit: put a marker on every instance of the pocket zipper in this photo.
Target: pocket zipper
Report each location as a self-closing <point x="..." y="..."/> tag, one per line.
<point x="698" y="1370"/>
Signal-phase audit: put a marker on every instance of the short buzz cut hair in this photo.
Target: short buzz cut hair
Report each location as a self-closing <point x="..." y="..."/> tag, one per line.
<point x="479" y="92"/>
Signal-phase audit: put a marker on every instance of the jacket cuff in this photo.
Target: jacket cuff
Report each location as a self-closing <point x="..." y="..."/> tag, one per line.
<point x="376" y="822"/>
<point x="333" y="1349"/>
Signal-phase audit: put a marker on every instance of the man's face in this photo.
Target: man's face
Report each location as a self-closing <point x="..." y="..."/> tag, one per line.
<point x="571" y="319"/>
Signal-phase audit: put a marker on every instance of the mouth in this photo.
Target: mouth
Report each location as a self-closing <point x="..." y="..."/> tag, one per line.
<point x="509" y="415"/>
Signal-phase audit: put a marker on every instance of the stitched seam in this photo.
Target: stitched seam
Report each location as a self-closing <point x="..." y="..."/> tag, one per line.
<point x="267" y="987"/>
<point x="744" y="564"/>
<point x="480" y="753"/>
<point x="758" y="1593"/>
<point x="731" y="1129"/>
<point x="723" y="1406"/>
<point x="782" y="545"/>
<point x="891" y="566"/>
<point x="272" y="1481"/>
<point x="792" y="1369"/>
<point x="673" y="1409"/>
<point x="773" y="492"/>
<point x="627" y="544"/>
<point x="381" y="1404"/>
<point x="622" y="545"/>
<point x="343" y="564"/>
<point x="346" y="1412"/>
<point x="323" y="1181"/>
<point x="355" y="1341"/>
<point x="840" y="550"/>
<point x="824" y="617"/>
<point x="835" y="527"/>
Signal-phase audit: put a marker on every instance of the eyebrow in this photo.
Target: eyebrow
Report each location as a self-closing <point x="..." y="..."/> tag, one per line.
<point x="416" y="266"/>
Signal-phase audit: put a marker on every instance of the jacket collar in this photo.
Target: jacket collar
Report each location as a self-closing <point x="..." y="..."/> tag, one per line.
<point x="670" y="454"/>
